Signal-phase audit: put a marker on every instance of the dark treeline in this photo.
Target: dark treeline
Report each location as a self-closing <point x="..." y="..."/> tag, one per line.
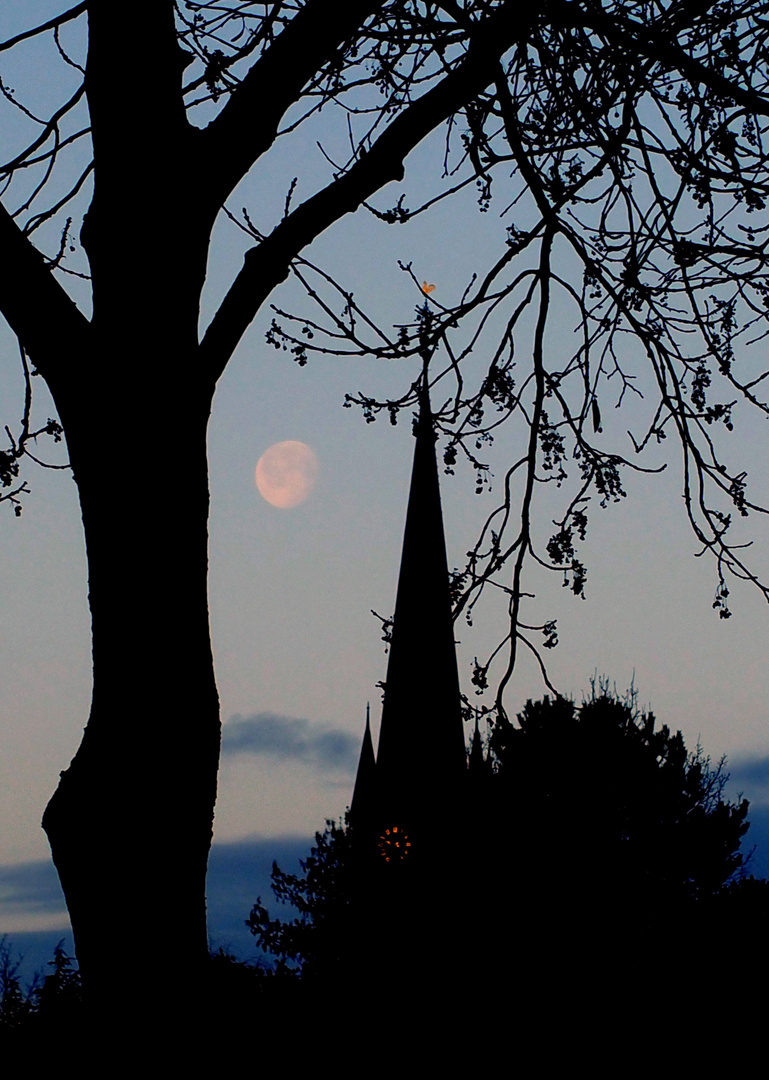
<point x="592" y="847"/>
<point x="593" y="852"/>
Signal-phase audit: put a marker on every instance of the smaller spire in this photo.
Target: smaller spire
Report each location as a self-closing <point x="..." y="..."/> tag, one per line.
<point x="364" y="794"/>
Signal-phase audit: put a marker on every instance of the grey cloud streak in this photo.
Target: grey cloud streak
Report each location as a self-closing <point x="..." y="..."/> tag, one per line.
<point x="753" y="773"/>
<point x="267" y="734"/>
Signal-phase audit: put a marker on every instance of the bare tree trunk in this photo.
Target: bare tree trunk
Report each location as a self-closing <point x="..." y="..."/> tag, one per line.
<point x="130" y="825"/>
<point x="131" y="822"/>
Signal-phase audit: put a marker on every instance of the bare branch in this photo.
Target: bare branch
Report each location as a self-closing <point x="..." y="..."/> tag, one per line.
<point x="52" y="24"/>
<point x="267" y="265"/>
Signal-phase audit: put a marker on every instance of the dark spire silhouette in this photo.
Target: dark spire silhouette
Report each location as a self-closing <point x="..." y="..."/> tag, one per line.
<point x="364" y="795"/>
<point x="421" y="764"/>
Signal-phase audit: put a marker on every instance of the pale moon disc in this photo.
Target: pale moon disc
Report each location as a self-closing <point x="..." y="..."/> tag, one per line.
<point x="286" y="473"/>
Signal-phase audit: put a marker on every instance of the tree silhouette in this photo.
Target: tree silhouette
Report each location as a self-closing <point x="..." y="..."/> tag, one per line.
<point x="624" y="849"/>
<point x="594" y="834"/>
<point x="359" y="918"/>
<point x="624" y="137"/>
<point x="321" y="936"/>
<point x="633" y="821"/>
<point x="49" y="1007"/>
<point x="16" y="1004"/>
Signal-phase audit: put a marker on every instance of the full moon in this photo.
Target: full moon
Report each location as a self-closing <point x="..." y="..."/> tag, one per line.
<point x="286" y="473"/>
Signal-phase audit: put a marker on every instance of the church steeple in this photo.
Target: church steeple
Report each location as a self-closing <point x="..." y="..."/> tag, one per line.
<point x="421" y="764"/>
<point x="363" y="803"/>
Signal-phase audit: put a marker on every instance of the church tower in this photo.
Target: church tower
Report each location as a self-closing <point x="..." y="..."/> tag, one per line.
<point x="420" y="772"/>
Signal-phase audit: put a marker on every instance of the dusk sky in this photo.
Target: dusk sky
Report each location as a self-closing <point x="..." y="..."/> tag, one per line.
<point x="298" y="653"/>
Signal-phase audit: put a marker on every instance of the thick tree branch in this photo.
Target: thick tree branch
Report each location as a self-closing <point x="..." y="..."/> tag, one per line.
<point x="143" y="154"/>
<point x="58" y="20"/>
<point x="133" y="83"/>
<point x="248" y="124"/>
<point x="267" y="265"/>
<point x="36" y="307"/>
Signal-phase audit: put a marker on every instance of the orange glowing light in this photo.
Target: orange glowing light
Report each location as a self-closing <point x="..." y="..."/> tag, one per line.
<point x="394" y="844"/>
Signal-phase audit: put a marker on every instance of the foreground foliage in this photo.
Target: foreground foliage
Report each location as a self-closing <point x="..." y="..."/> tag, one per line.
<point x="322" y="895"/>
<point x="49" y="1004"/>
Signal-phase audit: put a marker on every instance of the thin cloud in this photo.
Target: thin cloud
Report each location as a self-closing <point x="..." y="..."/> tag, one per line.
<point x="753" y="774"/>
<point x="31" y="887"/>
<point x="290" y="739"/>
<point x="238" y="872"/>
